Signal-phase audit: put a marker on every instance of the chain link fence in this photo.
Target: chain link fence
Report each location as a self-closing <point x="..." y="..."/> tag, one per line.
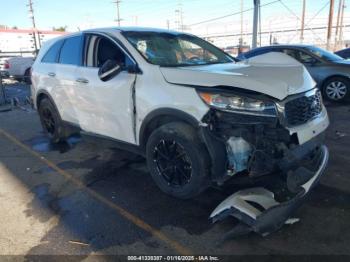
<point x="14" y="94"/>
<point x="4" y="105"/>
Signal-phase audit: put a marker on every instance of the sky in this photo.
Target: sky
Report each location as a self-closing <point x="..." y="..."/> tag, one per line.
<point x="82" y="14"/>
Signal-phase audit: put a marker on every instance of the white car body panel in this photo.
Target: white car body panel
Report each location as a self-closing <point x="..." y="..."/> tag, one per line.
<point x="105" y="108"/>
<point x="154" y="93"/>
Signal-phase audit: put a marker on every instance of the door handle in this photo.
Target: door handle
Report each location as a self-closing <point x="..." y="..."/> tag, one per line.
<point x="51" y="74"/>
<point x="82" y="80"/>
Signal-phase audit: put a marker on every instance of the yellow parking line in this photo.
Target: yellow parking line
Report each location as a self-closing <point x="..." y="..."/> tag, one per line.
<point x="123" y="212"/>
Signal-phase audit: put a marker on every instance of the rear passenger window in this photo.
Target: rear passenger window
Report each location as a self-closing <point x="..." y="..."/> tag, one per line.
<point x="71" y="51"/>
<point x="52" y="55"/>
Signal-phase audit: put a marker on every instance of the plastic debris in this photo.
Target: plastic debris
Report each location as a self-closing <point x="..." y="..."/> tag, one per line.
<point x="78" y="243"/>
<point x="340" y="134"/>
<point x="292" y="221"/>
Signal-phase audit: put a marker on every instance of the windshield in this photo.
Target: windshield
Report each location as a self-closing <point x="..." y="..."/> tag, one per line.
<point x="166" y="49"/>
<point x="324" y="54"/>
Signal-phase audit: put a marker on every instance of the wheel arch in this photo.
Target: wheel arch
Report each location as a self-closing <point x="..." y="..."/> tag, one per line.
<point x="324" y="81"/>
<point x="160" y="117"/>
<point x="44" y="94"/>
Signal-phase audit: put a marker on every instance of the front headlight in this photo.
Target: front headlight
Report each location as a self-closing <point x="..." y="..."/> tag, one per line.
<point x="239" y="104"/>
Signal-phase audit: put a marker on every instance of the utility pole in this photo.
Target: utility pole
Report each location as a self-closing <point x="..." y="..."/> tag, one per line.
<point x="302" y="22"/>
<point x="338" y="23"/>
<point x="255" y="23"/>
<point x="31" y="16"/>
<point x="136" y="18"/>
<point x="241" y="39"/>
<point x="342" y="22"/>
<point x="179" y="17"/>
<point x="117" y="2"/>
<point x="330" y="23"/>
<point x="168" y="24"/>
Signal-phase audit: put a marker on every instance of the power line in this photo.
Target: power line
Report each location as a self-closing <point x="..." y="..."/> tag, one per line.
<point x="311" y="19"/>
<point x="237" y="13"/>
<point x="297" y="17"/>
<point x="275" y="31"/>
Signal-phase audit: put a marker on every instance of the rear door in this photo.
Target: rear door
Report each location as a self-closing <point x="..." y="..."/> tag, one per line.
<point x="70" y="58"/>
<point x="44" y="73"/>
<point x="105" y="108"/>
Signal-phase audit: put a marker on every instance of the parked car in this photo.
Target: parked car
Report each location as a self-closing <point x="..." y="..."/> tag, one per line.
<point x="196" y="115"/>
<point x="344" y="53"/>
<point x="16" y="67"/>
<point x="330" y="71"/>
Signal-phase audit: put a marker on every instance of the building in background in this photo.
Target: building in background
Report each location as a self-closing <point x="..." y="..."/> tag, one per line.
<point x="21" y="41"/>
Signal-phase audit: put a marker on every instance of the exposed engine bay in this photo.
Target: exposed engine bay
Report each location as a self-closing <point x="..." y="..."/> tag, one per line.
<point x="253" y="147"/>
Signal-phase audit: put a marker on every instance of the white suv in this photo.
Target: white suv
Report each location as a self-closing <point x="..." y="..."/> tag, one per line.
<point x="196" y="115"/>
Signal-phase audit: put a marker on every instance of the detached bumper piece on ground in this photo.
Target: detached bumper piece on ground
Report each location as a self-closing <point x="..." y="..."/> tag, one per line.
<point x="258" y="210"/>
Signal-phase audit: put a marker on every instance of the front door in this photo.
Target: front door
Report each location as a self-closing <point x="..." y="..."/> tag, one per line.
<point x="105" y="108"/>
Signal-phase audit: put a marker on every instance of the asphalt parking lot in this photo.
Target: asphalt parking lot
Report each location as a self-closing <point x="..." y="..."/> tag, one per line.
<point x="86" y="198"/>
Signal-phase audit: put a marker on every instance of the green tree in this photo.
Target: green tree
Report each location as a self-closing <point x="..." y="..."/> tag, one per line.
<point x="60" y="29"/>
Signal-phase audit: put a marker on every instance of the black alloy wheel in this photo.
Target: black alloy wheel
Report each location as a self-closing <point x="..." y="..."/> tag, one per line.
<point x="51" y="121"/>
<point x="48" y="121"/>
<point x="173" y="163"/>
<point x="178" y="160"/>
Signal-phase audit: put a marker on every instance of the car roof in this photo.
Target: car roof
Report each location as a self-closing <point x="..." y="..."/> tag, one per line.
<point x="343" y="50"/>
<point x="137" y="29"/>
<point x="285" y="46"/>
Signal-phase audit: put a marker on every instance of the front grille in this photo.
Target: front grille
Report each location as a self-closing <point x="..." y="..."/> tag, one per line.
<point x="301" y="110"/>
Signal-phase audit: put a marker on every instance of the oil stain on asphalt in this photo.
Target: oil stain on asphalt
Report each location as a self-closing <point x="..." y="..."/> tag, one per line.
<point x="43" y="144"/>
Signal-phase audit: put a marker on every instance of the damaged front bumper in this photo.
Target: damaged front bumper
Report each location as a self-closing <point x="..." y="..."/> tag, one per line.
<point x="259" y="211"/>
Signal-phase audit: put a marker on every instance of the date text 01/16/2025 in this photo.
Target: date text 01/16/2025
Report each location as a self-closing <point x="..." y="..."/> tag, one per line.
<point x="173" y="258"/>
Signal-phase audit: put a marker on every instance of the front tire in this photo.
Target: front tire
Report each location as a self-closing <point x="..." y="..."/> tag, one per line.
<point x="178" y="161"/>
<point x="336" y="89"/>
<point x="51" y="121"/>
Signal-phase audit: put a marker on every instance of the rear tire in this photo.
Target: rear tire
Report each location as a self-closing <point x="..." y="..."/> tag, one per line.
<point x="51" y="121"/>
<point x="336" y="89"/>
<point x="27" y="79"/>
<point x="178" y="161"/>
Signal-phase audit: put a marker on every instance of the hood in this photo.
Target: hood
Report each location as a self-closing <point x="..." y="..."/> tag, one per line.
<point x="343" y="62"/>
<point x="274" y="74"/>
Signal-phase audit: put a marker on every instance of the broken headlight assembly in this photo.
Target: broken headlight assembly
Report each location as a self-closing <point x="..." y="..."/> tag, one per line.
<point x="239" y="104"/>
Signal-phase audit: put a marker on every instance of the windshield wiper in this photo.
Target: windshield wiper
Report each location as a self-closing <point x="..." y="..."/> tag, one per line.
<point x="186" y="65"/>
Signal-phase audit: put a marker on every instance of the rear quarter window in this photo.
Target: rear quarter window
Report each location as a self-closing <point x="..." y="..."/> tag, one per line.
<point x="51" y="55"/>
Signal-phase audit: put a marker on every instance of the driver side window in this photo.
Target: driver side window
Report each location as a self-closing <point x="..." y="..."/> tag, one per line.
<point x="99" y="49"/>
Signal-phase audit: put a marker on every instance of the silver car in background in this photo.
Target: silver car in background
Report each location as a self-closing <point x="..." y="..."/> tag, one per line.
<point x="330" y="71"/>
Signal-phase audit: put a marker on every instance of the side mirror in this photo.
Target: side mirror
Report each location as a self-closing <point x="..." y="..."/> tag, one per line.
<point x="108" y="70"/>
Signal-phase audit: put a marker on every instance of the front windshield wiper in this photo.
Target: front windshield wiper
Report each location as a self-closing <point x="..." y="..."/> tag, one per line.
<point x="186" y="65"/>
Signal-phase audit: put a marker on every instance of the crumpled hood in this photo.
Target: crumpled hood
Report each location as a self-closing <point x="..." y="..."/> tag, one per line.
<point x="274" y="74"/>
